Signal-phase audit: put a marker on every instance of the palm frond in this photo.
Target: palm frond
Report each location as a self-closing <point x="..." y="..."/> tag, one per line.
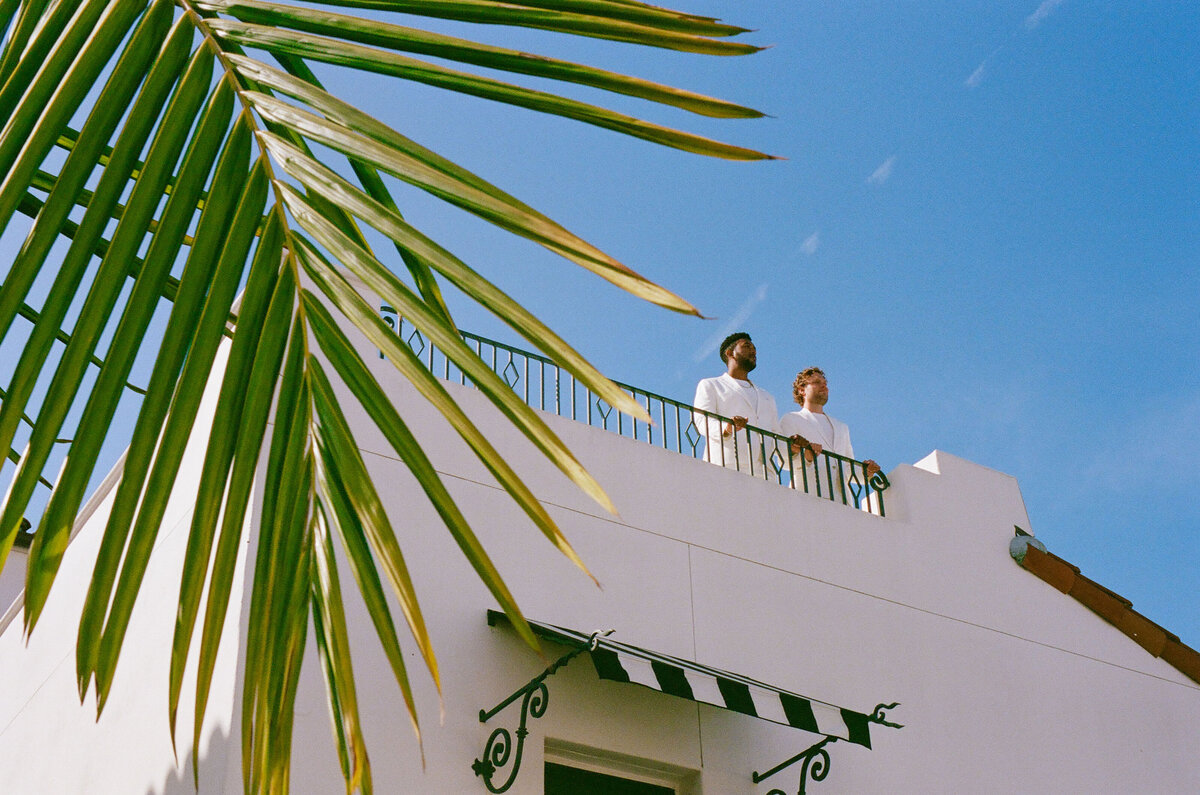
<point x="194" y="177"/>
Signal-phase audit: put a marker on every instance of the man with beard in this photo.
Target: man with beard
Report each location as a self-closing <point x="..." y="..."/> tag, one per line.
<point x="811" y="391"/>
<point x="733" y="395"/>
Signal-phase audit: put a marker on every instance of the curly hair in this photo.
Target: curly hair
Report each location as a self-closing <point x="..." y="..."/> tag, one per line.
<point x="802" y="379"/>
<point x="729" y="342"/>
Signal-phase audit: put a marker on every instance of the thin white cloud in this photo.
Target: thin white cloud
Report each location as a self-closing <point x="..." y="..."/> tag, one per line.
<point x="881" y="174"/>
<point x="1044" y="10"/>
<point x="734" y="323"/>
<point x="1032" y="21"/>
<point x="977" y="76"/>
<point x="811" y="243"/>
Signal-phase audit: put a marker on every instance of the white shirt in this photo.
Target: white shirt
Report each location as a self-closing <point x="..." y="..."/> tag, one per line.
<point x="732" y="397"/>
<point x="832" y="434"/>
<point x="822" y="475"/>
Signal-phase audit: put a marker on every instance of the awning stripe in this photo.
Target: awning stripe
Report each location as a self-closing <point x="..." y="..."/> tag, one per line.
<point x="767" y="705"/>
<point x="619" y="662"/>
<point x="704" y="688"/>
<point x="829" y="720"/>
<point x="858" y="726"/>
<point x="607" y="665"/>
<point x="672" y="681"/>
<point x="640" y="671"/>
<point x="799" y="712"/>
<point x="736" y="696"/>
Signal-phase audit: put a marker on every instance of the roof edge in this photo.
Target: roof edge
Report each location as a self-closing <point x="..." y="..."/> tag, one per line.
<point x="1031" y="555"/>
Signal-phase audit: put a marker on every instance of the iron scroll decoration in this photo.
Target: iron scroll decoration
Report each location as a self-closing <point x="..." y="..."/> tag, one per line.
<point x="535" y="698"/>
<point x="500" y="746"/>
<point x="815" y="758"/>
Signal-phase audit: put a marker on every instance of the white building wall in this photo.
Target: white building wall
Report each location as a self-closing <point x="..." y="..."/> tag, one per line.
<point x="1005" y="684"/>
<point x="52" y="744"/>
<point x="12" y="577"/>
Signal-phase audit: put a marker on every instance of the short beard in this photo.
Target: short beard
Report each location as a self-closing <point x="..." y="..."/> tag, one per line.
<point x="745" y="363"/>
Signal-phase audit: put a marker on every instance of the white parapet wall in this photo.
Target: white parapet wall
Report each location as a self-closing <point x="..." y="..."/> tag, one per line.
<point x="1004" y="683"/>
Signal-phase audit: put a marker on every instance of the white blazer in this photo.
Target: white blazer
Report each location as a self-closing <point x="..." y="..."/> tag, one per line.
<point x="725" y="396"/>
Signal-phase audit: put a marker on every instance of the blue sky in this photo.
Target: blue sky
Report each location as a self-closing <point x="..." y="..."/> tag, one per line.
<point x="985" y="230"/>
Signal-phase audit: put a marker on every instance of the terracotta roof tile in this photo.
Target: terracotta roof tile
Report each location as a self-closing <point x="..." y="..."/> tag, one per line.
<point x="1051" y="568"/>
<point x="1150" y="636"/>
<point x="1112" y="607"/>
<point x="1096" y="599"/>
<point x="1183" y="657"/>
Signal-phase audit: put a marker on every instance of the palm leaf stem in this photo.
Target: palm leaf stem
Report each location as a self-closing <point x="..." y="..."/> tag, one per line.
<point x="335" y="443"/>
<point x="333" y="648"/>
<point x="428" y="385"/>
<point x="204" y="21"/>
<point x="355" y="375"/>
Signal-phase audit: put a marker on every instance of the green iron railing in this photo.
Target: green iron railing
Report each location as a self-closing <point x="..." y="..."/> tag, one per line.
<point x="676" y="426"/>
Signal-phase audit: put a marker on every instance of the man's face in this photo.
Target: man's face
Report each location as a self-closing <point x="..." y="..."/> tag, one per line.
<point x="816" y="390"/>
<point x="744" y="354"/>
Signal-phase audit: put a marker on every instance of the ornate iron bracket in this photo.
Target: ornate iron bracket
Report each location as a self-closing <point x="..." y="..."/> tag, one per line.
<point x="535" y="698"/>
<point x="816" y="759"/>
<point x="820" y="769"/>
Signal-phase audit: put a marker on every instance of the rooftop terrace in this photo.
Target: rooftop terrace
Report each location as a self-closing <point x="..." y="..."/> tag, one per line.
<point x="676" y="426"/>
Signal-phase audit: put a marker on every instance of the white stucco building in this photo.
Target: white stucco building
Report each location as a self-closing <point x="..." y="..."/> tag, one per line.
<point x="1008" y="676"/>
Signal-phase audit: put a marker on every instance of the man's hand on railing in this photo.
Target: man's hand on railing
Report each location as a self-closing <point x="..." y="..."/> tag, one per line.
<point x="738" y="424"/>
<point x="871" y="468"/>
<point x="811" y="449"/>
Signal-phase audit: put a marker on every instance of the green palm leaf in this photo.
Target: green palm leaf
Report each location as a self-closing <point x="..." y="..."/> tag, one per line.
<point x="193" y="178"/>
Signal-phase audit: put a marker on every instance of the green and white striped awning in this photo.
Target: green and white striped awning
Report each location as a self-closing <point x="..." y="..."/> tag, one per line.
<point x="621" y="662"/>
